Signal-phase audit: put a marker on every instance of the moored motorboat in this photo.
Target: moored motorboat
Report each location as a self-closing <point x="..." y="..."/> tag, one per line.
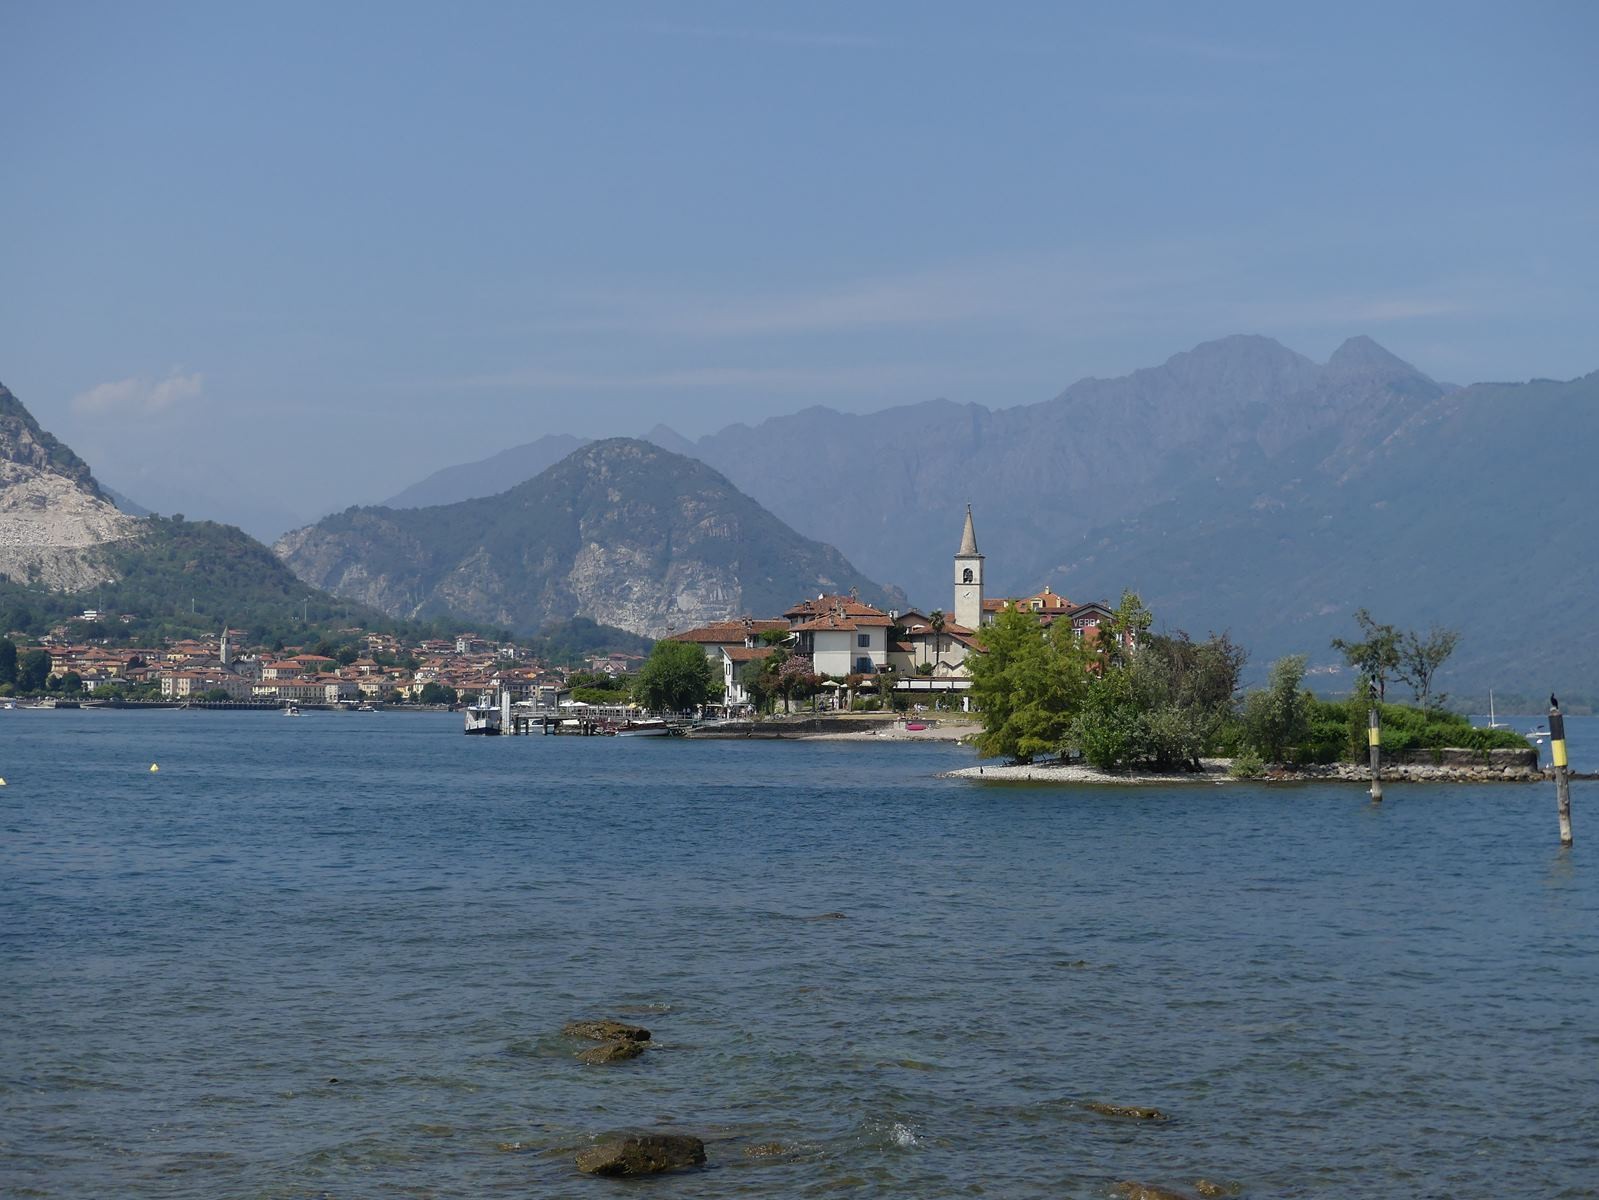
<point x="646" y="727"/>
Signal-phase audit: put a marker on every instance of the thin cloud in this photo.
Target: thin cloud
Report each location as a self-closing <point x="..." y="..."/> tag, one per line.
<point x="140" y="395"/>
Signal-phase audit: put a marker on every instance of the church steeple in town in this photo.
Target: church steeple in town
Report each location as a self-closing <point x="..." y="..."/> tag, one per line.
<point x="968" y="577"/>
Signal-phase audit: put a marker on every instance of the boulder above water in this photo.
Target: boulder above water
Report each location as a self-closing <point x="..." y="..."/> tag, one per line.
<point x="642" y="1154"/>
<point x="606" y="1031"/>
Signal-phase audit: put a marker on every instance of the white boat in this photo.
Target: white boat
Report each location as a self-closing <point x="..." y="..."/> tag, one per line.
<point x="291" y="710"/>
<point x="483" y="718"/>
<point x="1492" y="723"/>
<point x="643" y="728"/>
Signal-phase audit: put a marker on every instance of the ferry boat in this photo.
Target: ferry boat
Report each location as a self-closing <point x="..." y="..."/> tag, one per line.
<point x="291" y="710"/>
<point x="483" y="717"/>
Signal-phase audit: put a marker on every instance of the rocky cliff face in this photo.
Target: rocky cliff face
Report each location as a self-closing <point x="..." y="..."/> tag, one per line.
<point x="55" y="522"/>
<point x="621" y="531"/>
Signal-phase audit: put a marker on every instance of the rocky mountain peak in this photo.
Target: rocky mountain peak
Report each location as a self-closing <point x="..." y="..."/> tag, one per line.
<point x="54" y="519"/>
<point x="620" y="531"/>
<point x="25" y="444"/>
<point x="1361" y="354"/>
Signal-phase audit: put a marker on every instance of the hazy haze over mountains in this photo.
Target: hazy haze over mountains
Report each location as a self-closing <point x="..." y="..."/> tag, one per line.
<point x="1238" y="485"/>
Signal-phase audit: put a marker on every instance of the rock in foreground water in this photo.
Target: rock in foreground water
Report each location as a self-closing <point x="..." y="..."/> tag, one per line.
<point x="1131" y="1112"/>
<point x="611" y="1052"/>
<point x="606" y="1031"/>
<point x="1148" y="1191"/>
<point x="642" y="1154"/>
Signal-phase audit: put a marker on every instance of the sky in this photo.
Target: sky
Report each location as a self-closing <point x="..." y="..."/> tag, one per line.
<point x="261" y="262"/>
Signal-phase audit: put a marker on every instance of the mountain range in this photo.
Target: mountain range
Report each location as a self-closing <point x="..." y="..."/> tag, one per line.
<point x="619" y="531"/>
<point x="1239" y="485"/>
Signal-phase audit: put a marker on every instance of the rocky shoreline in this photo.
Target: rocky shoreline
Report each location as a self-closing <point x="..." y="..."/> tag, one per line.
<point x="1216" y="772"/>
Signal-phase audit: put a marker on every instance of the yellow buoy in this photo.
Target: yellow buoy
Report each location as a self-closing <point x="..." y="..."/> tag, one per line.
<point x="154" y="768"/>
<point x="2" y="783"/>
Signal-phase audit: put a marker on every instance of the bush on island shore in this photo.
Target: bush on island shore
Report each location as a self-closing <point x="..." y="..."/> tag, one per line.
<point x="1122" y="697"/>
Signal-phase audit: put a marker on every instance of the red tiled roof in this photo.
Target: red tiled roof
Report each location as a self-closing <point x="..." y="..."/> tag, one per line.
<point x="743" y="654"/>
<point x="728" y="631"/>
<point x="846" y="605"/>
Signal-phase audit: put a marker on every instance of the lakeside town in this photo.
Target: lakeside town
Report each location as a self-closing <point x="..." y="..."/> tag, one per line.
<point x="843" y="653"/>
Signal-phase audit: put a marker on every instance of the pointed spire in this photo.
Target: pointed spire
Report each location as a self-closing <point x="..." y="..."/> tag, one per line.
<point x="968" y="537"/>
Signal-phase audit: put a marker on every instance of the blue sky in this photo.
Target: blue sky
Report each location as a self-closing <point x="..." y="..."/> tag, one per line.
<point x="265" y="261"/>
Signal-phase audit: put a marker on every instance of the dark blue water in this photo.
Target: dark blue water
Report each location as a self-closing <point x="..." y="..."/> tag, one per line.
<point x="1329" y="998"/>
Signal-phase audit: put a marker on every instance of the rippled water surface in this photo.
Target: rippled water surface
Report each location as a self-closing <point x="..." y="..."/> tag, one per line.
<point x="1328" y="998"/>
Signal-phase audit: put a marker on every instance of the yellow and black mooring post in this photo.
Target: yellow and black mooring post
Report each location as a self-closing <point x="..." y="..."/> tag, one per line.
<point x="1557" y="748"/>
<point x="1374" y="736"/>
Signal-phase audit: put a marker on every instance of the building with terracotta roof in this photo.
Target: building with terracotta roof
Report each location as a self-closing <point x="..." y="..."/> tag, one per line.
<point x="851" y="638"/>
<point x="718" y="636"/>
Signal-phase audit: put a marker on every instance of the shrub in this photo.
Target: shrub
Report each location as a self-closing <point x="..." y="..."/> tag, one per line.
<point x="1247" y="765"/>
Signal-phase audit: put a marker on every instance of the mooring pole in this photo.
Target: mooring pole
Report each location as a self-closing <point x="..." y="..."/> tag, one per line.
<point x="1557" y="748"/>
<point x="1374" y="736"/>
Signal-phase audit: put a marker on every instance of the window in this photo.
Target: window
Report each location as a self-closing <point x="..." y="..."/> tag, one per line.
<point x="863" y="640"/>
<point x="966" y="575"/>
<point x="863" y="666"/>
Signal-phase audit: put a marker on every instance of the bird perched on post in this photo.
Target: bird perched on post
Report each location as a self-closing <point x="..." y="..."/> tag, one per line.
<point x="1553" y="703"/>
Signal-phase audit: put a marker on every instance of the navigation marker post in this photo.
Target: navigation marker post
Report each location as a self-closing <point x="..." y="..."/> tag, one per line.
<point x="1557" y="748"/>
<point x="1374" y="737"/>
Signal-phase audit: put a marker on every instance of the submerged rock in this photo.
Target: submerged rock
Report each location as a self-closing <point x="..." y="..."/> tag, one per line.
<point x="1129" y="1111"/>
<point x="1148" y="1191"/>
<point x="611" y="1052"/>
<point x="1212" y="1190"/>
<point x="642" y="1154"/>
<point x="766" y="1150"/>
<point x="833" y="916"/>
<point x="606" y="1031"/>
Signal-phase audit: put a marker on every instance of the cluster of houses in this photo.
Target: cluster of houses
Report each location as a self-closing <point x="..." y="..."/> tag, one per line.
<point x="189" y="669"/>
<point x="847" y="640"/>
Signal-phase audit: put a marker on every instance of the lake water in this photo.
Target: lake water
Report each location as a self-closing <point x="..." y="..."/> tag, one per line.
<point x="1329" y="998"/>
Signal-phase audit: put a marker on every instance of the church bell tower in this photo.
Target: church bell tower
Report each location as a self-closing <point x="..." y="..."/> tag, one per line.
<point x="969" y="578"/>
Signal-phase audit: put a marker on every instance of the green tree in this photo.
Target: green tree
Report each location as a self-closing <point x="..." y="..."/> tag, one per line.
<point x="1375" y="658"/>
<point x="71" y="683"/>
<point x="8" y="661"/>
<point x="33" y="670"/>
<point x="759" y="684"/>
<point x="1129" y="624"/>
<point x="936" y="622"/>
<point x="676" y="677"/>
<point x="1183" y="691"/>
<point x="1277" y="718"/>
<point x="1419" y="660"/>
<point x="1108" y="730"/>
<point x="1029" y="684"/>
<point x="437" y="693"/>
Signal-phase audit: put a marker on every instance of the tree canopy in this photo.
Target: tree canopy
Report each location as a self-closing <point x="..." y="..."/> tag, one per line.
<point x="676" y="677"/>
<point x="1029" y="683"/>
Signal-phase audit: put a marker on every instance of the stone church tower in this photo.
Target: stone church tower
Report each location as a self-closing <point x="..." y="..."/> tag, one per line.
<point x="968" y="578"/>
